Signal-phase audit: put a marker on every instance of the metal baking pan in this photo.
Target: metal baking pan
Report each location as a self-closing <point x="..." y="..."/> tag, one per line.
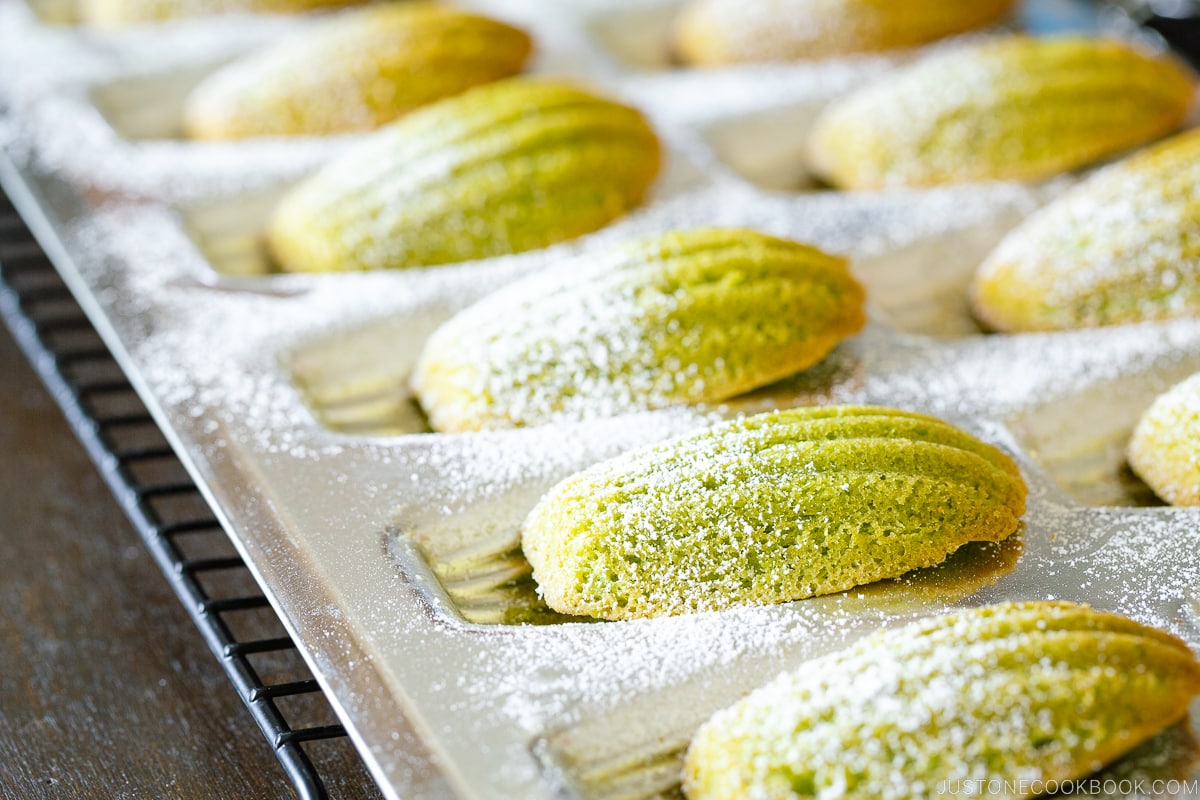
<point x="391" y="553"/>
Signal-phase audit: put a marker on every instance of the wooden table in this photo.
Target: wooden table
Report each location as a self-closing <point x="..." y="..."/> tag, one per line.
<point x="106" y="688"/>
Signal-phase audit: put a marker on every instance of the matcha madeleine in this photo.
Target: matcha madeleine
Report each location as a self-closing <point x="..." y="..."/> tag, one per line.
<point x="511" y="166"/>
<point x="767" y="509"/>
<point x="1121" y="247"/>
<point x="1015" y="108"/>
<point x="1163" y="450"/>
<point x="356" y="72"/>
<point x="711" y="32"/>
<point x="684" y="317"/>
<point x="1021" y="695"/>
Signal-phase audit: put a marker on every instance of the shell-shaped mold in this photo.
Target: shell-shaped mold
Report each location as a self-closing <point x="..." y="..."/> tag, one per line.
<point x="356" y="72"/>
<point x="1015" y="108"/>
<point x="766" y="509"/>
<point x="729" y="31"/>
<point x="1163" y="448"/>
<point x="1021" y="695"/>
<point x="684" y="317"/>
<point x="1123" y="246"/>
<point x="503" y="168"/>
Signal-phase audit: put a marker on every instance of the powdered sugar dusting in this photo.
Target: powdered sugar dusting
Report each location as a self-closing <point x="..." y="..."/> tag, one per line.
<point x="985" y="695"/>
<point x="392" y="552"/>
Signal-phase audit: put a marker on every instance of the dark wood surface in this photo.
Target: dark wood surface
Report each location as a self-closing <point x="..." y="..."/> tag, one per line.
<point x="106" y="688"/>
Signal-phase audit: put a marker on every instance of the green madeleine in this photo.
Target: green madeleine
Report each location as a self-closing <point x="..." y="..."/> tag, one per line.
<point x="1015" y="108"/>
<point x="511" y="166"/>
<point x="1162" y="450"/>
<point x="355" y="72"/>
<point x="683" y="317"/>
<point x="1022" y="695"/>
<point x="767" y="509"/>
<point x="715" y="32"/>
<point x="1121" y="247"/>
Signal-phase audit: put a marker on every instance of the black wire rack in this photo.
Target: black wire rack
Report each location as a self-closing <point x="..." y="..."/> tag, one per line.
<point x="188" y="543"/>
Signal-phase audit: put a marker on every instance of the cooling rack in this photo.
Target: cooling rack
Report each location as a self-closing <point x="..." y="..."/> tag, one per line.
<point x="166" y="508"/>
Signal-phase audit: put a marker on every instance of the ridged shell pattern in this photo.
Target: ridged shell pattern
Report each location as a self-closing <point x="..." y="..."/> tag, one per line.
<point x="683" y="317"/>
<point x="767" y="509"/>
<point x="503" y="168"/>
<point x="355" y="72"/>
<point x="1123" y="246"/>
<point x="1163" y="449"/>
<point x="712" y="32"/>
<point x="1014" y="108"/>
<point x="1017" y="694"/>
